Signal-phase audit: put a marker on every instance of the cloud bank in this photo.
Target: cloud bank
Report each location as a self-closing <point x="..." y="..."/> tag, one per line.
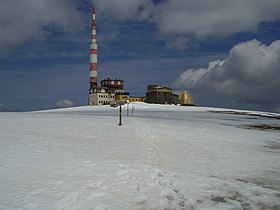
<point x="64" y="103"/>
<point x="28" y="20"/>
<point x="215" y="17"/>
<point x="203" y="18"/>
<point x="250" y="74"/>
<point x="183" y="18"/>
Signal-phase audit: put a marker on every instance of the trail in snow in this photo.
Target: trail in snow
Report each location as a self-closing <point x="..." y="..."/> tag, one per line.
<point x="192" y="190"/>
<point x="147" y="138"/>
<point x="164" y="157"/>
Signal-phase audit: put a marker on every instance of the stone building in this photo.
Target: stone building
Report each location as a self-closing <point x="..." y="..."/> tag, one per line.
<point x="159" y="94"/>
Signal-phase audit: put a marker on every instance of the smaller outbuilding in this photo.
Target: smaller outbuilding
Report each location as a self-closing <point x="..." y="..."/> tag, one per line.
<point x="126" y="97"/>
<point x="185" y="99"/>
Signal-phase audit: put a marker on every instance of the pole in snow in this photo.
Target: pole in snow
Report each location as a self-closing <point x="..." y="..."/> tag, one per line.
<point x="127" y="109"/>
<point x="133" y="108"/>
<point x="120" y="116"/>
<point x="116" y="104"/>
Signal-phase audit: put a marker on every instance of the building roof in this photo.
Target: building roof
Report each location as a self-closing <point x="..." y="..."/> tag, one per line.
<point x="156" y="87"/>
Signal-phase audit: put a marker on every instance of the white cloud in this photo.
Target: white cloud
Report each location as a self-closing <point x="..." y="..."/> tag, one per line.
<point x="23" y="21"/>
<point x="215" y="17"/>
<point x="197" y="17"/>
<point x="64" y="104"/>
<point x="250" y="74"/>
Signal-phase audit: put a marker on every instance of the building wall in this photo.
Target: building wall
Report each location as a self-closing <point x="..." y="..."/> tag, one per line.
<point x="98" y="99"/>
<point x="112" y="83"/>
<point x="92" y="101"/>
<point x="120" y="97"/>
<point x="127" y="97"/>
<point x="159" y="96"/>
<point x="118" y="91"/>
<point x="136" y="99"/>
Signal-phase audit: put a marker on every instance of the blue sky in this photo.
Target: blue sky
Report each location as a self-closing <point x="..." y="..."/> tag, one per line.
<point x="44" y="51"/>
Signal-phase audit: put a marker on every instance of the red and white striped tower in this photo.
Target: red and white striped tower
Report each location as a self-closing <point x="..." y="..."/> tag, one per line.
<point x="93" y="54"/>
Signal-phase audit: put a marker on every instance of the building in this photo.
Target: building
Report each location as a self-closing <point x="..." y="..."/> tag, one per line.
<point x="113" y="85"/>
<point x="137" y="99"/>
<point x="159" y="94"/>
<point x="122" y="96"/>
<point x="109" y="91"/>
<point x="126" y="97"/>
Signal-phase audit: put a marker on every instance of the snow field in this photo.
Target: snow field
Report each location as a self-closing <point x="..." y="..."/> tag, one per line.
<point x="164" y="157"/>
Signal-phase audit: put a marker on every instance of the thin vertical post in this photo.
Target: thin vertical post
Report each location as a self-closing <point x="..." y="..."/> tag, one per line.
<point x="127" y="110"/>
<point x="120" y="116"/>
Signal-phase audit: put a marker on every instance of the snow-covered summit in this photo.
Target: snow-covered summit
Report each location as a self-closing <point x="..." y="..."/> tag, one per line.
<point x="163" y="157"/>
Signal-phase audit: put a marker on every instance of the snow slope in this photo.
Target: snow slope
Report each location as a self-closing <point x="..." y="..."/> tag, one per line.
<point x="163" y="157"/>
